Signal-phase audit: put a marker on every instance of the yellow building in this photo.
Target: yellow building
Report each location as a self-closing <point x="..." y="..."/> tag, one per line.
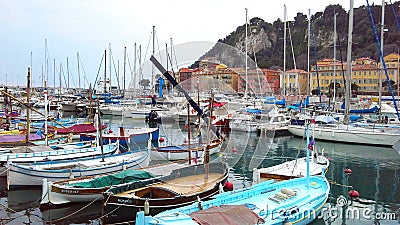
<point x="365" y="74"/>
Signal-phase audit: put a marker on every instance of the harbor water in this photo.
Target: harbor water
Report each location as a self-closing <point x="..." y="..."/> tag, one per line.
<point x="375" y="174"/>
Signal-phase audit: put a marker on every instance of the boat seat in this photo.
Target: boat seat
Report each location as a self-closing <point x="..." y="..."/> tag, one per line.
<point x="282" y="195"/>
<point x="288" y="192"/>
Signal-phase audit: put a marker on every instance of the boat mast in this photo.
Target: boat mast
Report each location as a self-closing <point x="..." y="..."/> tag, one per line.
<point x="45" y="114"/>
<point x="67" y="75"/>
<point x="105" y="71"/>
<point x="245" y="44"/>
<point x="124" y="68"/>
<point x="152" y="66"/>
<point x="349" y="64"/>
<point x="284" y="50"/>
<point x="334" y="58"/>
<point x="381" y="67"/>
<point x="134" y="71"/>
<point x="308" y="53"/>
<point x="188" y="121"/>
<point x="109" y="60"/>
<point x="79" y="73"/>
<point x="28" y="95"/>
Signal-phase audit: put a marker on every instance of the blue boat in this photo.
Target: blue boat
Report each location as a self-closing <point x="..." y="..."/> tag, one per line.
<point x="295" y="201"/>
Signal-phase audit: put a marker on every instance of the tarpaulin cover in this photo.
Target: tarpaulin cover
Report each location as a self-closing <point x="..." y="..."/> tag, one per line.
<point x="228" y="215"/>
<point x="79" y="128"/>
<point x="114" y="179"/>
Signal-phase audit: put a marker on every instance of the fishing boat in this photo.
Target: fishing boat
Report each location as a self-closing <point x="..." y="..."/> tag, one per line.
<point x="180" y="152"/>
<point x="294" y="201"/>
<point x="35" y="154"/>
<point x="292" y="169"/>
<point x="181" y="187"/>
<point x="88" y="189"/>
<point x="28" y="175"/>
<point x="125" y="135"/>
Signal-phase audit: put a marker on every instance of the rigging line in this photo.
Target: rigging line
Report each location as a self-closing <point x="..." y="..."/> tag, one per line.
<point x="395" y="15"/>
<point x="84" y="72"/>
<point x="255" y="61"/>
<point x="379" y="45"/>
<point x="294" y="59"/>
<point x="147" y="48"/>
<point x="115" y="70"/>
<point x="98" y="72"/>
<point x="314" y="41"/>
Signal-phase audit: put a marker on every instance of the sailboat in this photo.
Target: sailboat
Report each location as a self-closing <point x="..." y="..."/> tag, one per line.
<point x="347" y="132"/>
<point x="294" y="201"/>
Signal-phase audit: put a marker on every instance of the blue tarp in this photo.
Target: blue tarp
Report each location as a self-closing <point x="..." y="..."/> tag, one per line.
<point x="253" y="111"/>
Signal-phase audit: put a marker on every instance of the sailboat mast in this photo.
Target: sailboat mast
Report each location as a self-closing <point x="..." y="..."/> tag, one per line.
<point x="28" y="113"/>
<point x="79" y="72"/>
<point x="124" y="68"/>
<point x="152" y="66"/>
<point x="109" y="60"/>
<point x="105" y="71"/>
<point x="284" y="50"/>
<point x="67" y="75"/>
<point x="308" y="52"/>
<point x="381" y="67"/>
<point x="349" y="64"/>
<point x="245" y="44"/>
<point x="334" y="58"/>
<point x="134" y="70"/>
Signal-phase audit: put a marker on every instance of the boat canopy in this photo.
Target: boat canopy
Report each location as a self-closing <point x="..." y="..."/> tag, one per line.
<point x="114" y="179"/>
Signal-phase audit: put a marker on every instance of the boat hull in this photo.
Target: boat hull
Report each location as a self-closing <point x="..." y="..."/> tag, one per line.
<point x="19" y="176"/>
<point x="349" y="136"/>
<point x="182" y="152"/>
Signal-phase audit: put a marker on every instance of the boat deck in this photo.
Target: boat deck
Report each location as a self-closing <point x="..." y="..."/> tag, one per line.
<point x="183" y="185"/>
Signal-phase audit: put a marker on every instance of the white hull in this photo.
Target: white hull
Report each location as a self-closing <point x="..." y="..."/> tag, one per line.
<point x="32" y="175"/>
<point x="168" y="155"/>
<point x="53" y="155"/>
<point x="352" y="135"/>
<point x="242" y="126"/>
<point x="292" y="169"/>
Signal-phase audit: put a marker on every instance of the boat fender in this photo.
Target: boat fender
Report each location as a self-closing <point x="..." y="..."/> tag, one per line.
<point x="146" y="207"/>
<point x="228" y="186"/>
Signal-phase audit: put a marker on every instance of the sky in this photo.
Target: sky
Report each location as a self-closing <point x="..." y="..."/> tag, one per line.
<point x="37" y="33"/>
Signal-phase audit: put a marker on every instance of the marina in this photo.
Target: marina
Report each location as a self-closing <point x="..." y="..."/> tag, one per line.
<point x="240" y="134"/>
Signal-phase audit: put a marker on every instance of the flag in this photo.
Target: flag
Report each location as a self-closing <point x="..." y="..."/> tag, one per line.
<point x="311" y="144"/>
<point x="195" y="157"/>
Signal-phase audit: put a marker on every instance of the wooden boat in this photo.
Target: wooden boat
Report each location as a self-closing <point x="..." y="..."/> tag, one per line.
<point x="11" y="140"/>
<point x="125" y="136"/>
<point x="295" y="201"/>
<point x="181" y="187"/>
<point x="291" y="169"/>
<point x="88" y="189"/>
<point x="294" y="168"/>
<point x="179" y="152"/>
<point x="48" y="154"/>
<point x="29" y="175"/>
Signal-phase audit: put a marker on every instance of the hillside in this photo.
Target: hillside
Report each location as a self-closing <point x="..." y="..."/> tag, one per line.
<point x="266" y="39"/>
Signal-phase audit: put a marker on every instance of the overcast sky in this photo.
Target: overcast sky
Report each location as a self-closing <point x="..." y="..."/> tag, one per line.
<point x="89" y="26"/>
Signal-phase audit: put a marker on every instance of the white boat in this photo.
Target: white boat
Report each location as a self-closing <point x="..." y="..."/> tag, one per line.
<point x="28" y="175"/>
<point x="291" y="169"/>
<point x="350" y="134"/>
<point x="48" y="154"/>
<point x="180" y="152"/>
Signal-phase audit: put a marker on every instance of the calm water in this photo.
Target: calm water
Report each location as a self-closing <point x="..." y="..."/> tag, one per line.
<point x="375" y="175"/>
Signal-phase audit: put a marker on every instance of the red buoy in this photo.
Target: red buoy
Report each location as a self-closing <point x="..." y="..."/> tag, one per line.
<point x="185" y="141"/>
<point x="228" y="186"/>
<point x="347" y="170"/>
<point x="329" y="159"/>
<point x="161" y="139"/>
<point x="234" y="150"/>
<point x="353" y="194"/>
